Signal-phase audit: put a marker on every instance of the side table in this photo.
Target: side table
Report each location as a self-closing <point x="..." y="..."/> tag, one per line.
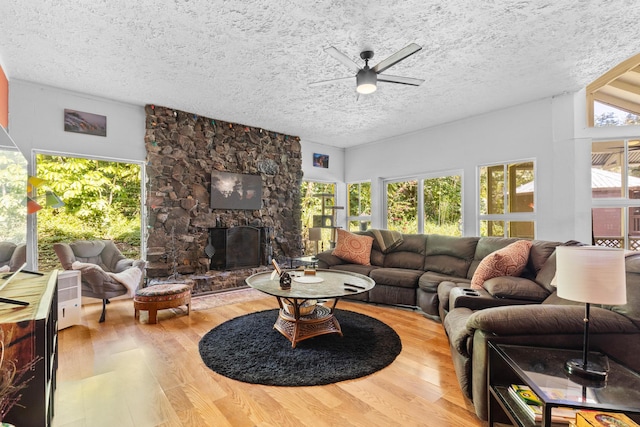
<point x="542" y="369"/>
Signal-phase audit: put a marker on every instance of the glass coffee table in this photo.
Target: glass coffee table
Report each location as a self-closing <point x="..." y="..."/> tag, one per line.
<point x="300" y="316"/>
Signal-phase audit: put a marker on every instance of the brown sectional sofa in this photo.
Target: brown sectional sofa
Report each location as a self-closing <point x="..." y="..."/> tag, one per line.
<point x="411" y="273"/>
<point x="522" y="310"/>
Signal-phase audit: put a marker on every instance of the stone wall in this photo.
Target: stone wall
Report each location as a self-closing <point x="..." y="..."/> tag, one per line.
<point x="182" y="151"/>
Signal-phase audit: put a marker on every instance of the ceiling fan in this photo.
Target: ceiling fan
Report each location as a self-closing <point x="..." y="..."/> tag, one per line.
<point x="367" y="78"/>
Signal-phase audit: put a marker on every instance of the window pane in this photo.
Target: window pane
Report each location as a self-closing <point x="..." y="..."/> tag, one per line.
<point x="607" y="160"/>
<point x="442" y="205"/>
<point x="492" y="228"/>
<point x="402" y="200"/>
<point x="492" y="190"/>
<point x="607" y="227"/>
<point x="634" y="228"/>
<point x="359" y="225"/>
<point x="521" y="187"/>
<point x="634" y="169"/>
<point x="522" y="229"/>
<point x="359" y="199"/>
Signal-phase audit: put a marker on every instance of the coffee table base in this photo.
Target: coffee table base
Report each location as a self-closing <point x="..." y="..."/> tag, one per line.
<point x="320" y="322"/>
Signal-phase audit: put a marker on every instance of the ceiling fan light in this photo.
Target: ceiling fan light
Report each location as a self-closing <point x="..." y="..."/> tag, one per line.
<point x="366" y="80"/>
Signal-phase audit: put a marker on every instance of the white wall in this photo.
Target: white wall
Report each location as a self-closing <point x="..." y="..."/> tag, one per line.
<point x="36" y="122"/>
<point x="518" y="133"/>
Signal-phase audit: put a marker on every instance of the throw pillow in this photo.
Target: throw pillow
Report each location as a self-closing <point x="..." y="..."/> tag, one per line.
<point x="508" y="261"/>
<point x="353" y="247"/>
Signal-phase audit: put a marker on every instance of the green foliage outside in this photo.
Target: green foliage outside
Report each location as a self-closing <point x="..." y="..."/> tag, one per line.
<point x="13" y="193"/>
<point x="102" y="201"/>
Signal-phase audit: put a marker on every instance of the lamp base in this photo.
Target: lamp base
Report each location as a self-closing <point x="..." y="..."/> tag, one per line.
<point x="592" y="372"/>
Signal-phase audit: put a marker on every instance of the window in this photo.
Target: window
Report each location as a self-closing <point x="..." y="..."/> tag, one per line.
<point x="442" y="203"/>
<point x="311" y="204"/>
<point x="427" y="204"/>
<point x="507" y="200"/>
<point x="613" y="99"/>
<point x="359" y="206"/>
<point x="615" y="193"/>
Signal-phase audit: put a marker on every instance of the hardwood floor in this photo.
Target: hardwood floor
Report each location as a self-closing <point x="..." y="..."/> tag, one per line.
<point x="126" y="373"/>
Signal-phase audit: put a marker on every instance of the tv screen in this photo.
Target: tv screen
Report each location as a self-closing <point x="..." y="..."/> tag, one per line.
<point x="235" y="191"/>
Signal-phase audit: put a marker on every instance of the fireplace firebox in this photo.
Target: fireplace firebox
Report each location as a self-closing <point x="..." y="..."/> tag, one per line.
<point x="240" y="247"/>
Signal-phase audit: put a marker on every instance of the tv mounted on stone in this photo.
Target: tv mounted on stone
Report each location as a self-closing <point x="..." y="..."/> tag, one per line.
<point x="235" y="191"/>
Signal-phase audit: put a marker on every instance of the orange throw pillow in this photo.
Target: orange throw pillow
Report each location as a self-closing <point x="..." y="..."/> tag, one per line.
<point x="353" y="247"/>
<point x="508" y="261"/>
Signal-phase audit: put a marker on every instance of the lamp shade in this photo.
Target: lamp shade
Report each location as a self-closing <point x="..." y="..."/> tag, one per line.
<point x="315" y="234"/>
<point x="591" y="274"/>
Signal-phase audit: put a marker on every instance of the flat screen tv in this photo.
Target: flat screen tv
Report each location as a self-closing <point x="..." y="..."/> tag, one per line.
<point x="235" y="191"/>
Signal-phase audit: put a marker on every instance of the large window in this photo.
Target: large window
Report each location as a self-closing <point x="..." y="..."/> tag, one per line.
<point x="507" y="200"/>
<point x="428" y="204"/>
<point x="615" y="192"/>
<point x="359" y="206"/>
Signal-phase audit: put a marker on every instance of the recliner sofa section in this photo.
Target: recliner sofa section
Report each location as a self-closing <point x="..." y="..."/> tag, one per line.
<point x="411" y="273"/>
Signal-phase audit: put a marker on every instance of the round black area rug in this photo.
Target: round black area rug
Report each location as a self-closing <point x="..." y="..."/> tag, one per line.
<point x="248" y="349"/>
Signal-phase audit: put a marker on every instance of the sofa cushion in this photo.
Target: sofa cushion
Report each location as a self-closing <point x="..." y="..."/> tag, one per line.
<point x="401" y="277"/>
<point x="430" y="280"/>
<point x="449" y="255"/>
<point x="387" y="240"/>
<point x="515" y="288"/>
<point x="508" y="261"/>
<point x="353" y="248"/>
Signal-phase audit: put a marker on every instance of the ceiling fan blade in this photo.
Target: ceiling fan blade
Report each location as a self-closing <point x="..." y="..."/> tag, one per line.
<point x="326" y="82"/>
<point x="402" y="80"/>
<point x="403" y="53"/>
<point x="344" y="59"/>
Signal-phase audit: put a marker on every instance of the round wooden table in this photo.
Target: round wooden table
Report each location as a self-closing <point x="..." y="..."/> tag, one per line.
<point x="327" y="285"/>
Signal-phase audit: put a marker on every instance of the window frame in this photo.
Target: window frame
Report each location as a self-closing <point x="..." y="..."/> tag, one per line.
<point x="420" y="178"/>
<point x="623" y="203"/>
<point x="507" y="217"/>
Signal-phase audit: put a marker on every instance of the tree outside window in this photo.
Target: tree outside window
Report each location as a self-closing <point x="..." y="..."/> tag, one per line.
<point x="359" y="206"/>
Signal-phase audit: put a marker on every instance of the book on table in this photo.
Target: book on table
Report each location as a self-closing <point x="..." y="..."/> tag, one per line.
<point x="532" y="405"/>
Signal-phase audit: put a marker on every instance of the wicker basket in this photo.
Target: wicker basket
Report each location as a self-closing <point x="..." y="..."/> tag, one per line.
<point x="306" y="308"/>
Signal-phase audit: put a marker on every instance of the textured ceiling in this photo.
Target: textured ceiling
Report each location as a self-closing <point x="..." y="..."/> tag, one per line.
<point x="250" y="62"/>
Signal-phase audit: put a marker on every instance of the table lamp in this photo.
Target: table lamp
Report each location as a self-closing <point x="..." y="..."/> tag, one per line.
<point x="315" y="235"/>
<point x="592" y="275"/>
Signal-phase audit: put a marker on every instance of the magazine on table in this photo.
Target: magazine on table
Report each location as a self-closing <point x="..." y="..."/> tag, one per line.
<point x="532" y="405"/>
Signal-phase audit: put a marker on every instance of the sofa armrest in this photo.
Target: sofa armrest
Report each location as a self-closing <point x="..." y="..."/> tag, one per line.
<point x="547" y="319"/>
<point x="326" y="259"/>
<point x="478" y="299"/>
<point x="518" y="288"/>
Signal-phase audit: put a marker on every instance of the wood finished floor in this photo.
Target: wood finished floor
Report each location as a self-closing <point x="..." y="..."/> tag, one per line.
<point x="127" y="373"/>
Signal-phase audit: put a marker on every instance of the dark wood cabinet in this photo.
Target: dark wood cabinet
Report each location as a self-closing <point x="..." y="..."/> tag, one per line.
<point x="31" y="337"/>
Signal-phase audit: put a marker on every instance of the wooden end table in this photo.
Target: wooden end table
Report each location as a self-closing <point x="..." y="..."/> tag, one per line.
<point x="328" y="285"/>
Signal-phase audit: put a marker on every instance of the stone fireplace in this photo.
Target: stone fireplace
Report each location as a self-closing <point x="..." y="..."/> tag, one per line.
<point x="183" y="149"/>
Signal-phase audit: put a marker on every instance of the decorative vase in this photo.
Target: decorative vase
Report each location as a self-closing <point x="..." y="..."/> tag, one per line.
<point x="285" y="281"/>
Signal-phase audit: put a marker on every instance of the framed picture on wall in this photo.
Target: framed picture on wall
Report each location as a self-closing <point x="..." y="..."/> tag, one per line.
<point x="87" y="123"/>
<point x="320" y="160"/>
